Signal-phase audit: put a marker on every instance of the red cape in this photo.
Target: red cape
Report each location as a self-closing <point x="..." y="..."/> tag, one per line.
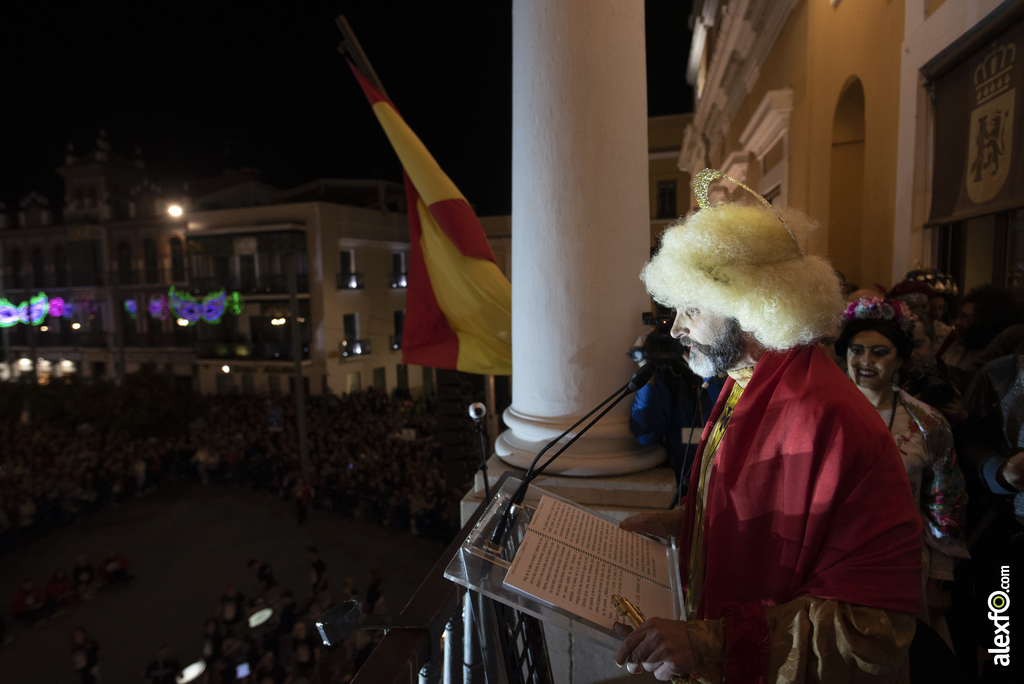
<point x="808" y="496"/>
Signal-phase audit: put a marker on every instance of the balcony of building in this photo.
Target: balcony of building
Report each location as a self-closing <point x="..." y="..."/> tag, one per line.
<point x="18" y="336"/>
<point x="181" y="338"/>
<point x="249" y="350"/>
<point x="398" y="280"/>
<point x="351" y="281"/>
<point x="265" y="283"/>
<point x="354" y="347"/>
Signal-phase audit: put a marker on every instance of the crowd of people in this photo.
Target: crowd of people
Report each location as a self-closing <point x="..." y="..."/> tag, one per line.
<point x="270" y="637"/>
<point x="371" y="456"/>
<point x="34" y="603"/>
<point x="951" y="392"/>
<point x="267" y="637"/>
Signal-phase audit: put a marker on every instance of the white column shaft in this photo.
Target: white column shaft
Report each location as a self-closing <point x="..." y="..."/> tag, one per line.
<point x="580" y="233"/>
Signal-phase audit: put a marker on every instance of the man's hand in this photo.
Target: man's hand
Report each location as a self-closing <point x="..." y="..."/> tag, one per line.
<point x="658" y="645"/>
<point x="664" y="524"/>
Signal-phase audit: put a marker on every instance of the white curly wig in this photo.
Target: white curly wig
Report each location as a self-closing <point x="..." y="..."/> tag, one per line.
<point x="740" y="261"/>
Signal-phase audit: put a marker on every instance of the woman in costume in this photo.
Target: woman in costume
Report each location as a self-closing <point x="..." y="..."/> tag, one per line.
<point x="876" y="340"/>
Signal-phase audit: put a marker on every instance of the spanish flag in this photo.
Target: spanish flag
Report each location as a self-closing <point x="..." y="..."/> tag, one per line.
<point x="458" y="303"/>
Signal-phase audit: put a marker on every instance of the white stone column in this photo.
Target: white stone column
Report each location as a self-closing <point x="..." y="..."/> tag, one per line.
<point x="580" y="228"/>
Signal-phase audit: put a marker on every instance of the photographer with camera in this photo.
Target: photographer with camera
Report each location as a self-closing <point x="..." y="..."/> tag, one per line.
<point x="673" y="407"/>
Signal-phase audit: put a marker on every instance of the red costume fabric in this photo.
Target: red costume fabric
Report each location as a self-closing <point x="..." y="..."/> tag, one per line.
<point x="808" y="497"/>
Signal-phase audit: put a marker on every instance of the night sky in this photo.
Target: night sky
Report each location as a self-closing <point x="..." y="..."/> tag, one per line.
<point x="203" y="88"/>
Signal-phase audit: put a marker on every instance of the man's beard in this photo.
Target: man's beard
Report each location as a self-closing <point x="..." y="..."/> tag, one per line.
<point x="708" y="360"/>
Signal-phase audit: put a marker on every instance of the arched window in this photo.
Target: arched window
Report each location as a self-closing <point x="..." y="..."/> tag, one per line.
<point x="149" y="260"/>
<point x="177" y="261"/>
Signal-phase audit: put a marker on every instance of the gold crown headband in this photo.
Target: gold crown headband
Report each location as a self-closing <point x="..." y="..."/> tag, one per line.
<point x="702" y="183"/>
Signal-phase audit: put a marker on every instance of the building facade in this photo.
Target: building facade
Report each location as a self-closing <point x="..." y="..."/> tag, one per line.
<point x="223" y="296"/>
<point x="836" y="108"/>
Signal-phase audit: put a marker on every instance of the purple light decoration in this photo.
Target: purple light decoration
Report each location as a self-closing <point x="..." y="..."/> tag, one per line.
<point x="158" y="307"/>
<point x="38" y="307"/>
<point x="211" y="310"/>
<point x="185" y="307"/>
<point x="57" y="307"/>
<point x="213" y="306"/>
<point x="132" y="307"/>
<point x="11" y="314"/>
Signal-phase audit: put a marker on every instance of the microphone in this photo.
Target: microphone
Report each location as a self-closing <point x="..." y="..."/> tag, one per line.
<point x="640" y="378"/>
<point x="477" y="411"/>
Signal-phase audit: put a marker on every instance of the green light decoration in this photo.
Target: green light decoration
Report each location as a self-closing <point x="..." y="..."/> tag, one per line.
<point x="211" y="309"/>
<point x="235" y="304"/>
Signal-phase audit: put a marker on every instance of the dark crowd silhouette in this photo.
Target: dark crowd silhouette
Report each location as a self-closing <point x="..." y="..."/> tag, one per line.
<point x="372" y="457"/>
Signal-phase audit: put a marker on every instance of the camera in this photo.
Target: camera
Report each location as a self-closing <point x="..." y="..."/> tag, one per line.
<point x="659" y="346"/>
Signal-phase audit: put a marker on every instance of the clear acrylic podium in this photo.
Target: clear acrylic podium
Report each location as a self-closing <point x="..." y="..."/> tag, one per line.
<point x="480" y="567"/>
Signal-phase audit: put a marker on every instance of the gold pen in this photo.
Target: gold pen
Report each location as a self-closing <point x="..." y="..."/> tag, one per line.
<point x="626" y="609"/>
<point x="636" y="618"/>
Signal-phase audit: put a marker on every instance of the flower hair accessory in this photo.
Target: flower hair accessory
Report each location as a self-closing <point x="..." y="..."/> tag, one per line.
<point x="882" y="309"/>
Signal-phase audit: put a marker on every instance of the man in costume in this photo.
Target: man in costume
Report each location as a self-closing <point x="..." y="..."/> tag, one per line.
<point x="800" y="548"/>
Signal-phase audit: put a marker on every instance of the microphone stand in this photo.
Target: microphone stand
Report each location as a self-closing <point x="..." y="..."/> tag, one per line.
<point x="479" y="420"/>
<point x="640" y="378"/>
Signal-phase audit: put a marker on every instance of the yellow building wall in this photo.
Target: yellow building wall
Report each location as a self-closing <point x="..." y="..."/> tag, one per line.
<point x="861" y="40"/>
<point x="786" y="66"/>
<point x="931" y="6"/>
<point x="819" y="52"/>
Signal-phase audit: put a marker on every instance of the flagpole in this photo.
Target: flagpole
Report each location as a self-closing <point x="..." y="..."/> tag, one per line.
<point x="350" y="47"/>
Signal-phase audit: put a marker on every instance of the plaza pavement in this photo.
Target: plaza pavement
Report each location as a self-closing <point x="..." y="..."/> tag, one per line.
<point x="185" y="542"/>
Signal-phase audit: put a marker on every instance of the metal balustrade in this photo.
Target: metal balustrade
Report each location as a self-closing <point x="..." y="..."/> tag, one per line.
<point x="446" y="634"/>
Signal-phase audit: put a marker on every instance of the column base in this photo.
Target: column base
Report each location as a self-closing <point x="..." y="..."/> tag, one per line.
<point x="601" y="452"/>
